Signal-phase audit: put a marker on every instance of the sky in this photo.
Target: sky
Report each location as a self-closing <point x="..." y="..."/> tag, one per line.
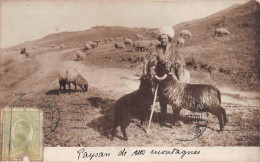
<point x="26" y="20"/>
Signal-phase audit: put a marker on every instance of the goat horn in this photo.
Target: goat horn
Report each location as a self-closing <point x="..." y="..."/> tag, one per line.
<point x="160" y="78"/>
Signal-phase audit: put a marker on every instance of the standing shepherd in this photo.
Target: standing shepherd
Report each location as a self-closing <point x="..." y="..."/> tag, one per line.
<point x="164" y="60"/>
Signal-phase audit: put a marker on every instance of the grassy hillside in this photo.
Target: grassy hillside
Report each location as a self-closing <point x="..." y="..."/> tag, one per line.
<point x="232" y="59"/>
<point x="235" y="58"/>
<point x="95" y="33"/>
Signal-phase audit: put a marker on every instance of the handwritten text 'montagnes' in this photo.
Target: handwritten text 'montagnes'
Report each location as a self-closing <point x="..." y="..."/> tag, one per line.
<point x="83" y="154"/>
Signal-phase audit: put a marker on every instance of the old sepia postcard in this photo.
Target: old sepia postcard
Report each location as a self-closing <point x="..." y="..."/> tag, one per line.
<point x="108" y="80"/>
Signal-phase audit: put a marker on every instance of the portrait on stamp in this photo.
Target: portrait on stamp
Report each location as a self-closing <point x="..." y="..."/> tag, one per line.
<point x="22" y="134"/>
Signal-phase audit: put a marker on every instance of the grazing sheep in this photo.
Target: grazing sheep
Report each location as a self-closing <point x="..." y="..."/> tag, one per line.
<point x="155" y="42"/>
<point x="74" y="77"/>
<point x="187" y="96"/>
<point x="128" y="41"/>
<point x="139" y="36"/>
<point x="119" y="45"/>
<point x="135" y="104"/>
<point x="88" y="46"/>
<point x="185" y="34"/>
<point x="97" y="42"/>
<point x="190" y="62"/>
<point x="93" y="44"/>
<point x="180" y="42"/>
<point x="221" y="32"/>
<point x="23" y="50"/>
<point x="79" y="55"/>
<point x="28" y="53"/>
<point x="205" y="66"/>
<point x="141" y="45"/>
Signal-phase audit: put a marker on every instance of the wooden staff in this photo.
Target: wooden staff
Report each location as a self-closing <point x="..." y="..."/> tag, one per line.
<point x="154" y="100"/>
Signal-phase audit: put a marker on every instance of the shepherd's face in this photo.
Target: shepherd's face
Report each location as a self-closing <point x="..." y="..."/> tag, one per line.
<point x="164" y="39"/>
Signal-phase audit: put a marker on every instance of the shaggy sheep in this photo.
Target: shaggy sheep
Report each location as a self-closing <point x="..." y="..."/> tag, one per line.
<point x="139" y="36"/>
<point x="51" y="46"/>
<point x="28" y="53"/>
<point x="155" y="42"/>
<point x="221" y="32"/>
<point x="141" y="45"/>
<point x="119" y="45"/>
<point x="185" y="34"/>
<point x="79" y="55"/>
<point x="74" y="77"/>
<point x="23" y="50"/>
<point x="88" y="46"/>
<point x="93" y="44"/>
<point x="97" y="42"/>
<point x="184" y="95"/>
<point x="190" y="62"/>
<point x="128" y="41"/>
<point x="180" y="42"/>
<point x="136" y="104"/>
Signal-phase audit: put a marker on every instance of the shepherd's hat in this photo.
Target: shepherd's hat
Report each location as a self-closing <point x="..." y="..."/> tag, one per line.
<point x="167" y="31"/>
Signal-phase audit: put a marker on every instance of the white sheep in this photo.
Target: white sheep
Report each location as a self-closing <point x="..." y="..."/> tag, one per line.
<point x="185" y="34"/>
<point x="88" y="46"/>
<point x="74" y="77"/>
<point x="97" y="41"/>
<point x="139" y="36"/>
<point x="28" y="53"/>
<point x="141" y="45"/>
<point x="119" y="45"/>
<point x="180" y="42"/>
<point x="128" y="41"/>
<point x="154" y="42"/>
<point x="93" y="44"/>
<point x="221" y="32"/>
<point x="79" y="55"/>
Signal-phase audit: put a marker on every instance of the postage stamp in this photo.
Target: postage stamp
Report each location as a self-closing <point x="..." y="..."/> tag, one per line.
<point x="22" y="134"/>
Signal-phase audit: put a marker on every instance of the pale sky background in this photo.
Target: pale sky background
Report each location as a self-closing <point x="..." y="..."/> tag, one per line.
<point x="25" y="20"/>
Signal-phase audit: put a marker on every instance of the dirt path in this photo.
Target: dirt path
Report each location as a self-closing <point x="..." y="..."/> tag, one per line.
<point x="112" y="80"/>
<point x="242" y="108"/>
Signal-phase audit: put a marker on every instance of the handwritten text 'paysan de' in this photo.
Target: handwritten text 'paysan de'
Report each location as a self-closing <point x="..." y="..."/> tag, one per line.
<point x="82" y="153"/>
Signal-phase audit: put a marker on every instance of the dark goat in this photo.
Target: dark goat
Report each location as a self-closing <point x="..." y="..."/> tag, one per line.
<point x="183" y="95"/>
<point x="136" y="104"/>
